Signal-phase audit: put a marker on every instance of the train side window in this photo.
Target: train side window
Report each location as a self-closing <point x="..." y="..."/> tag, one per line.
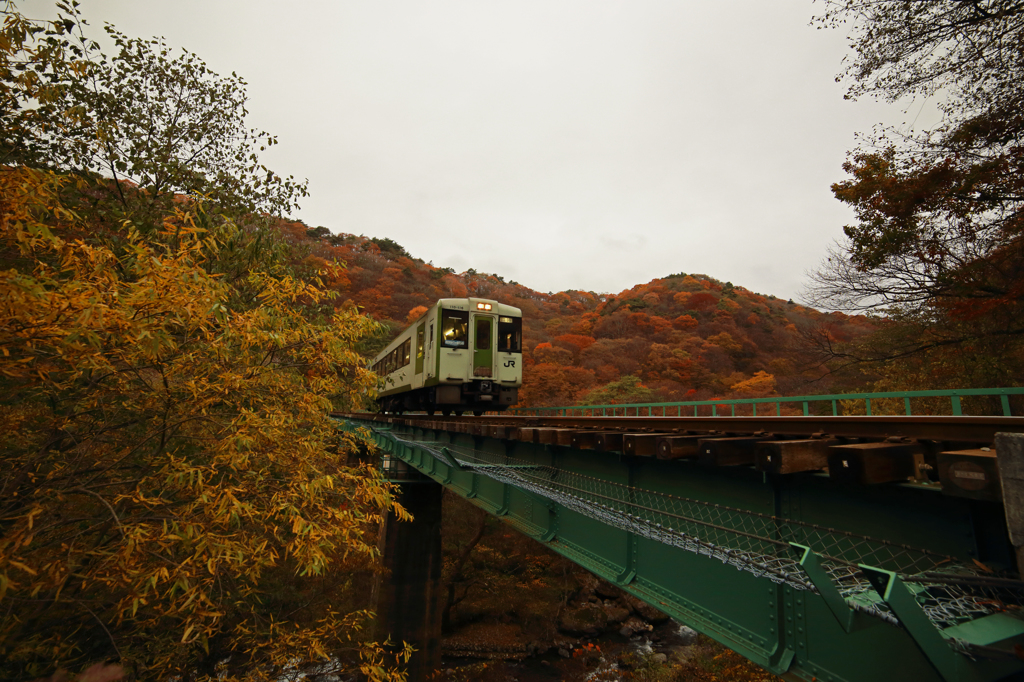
<point x="419" y="343"/>
<point x="406" y="349"/>
<point x="510" y="334"/>
<point x="454" y="328"/>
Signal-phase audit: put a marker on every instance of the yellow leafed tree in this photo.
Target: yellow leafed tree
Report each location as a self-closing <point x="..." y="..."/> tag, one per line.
<point x="170" y="473"/>
<point x="173" y="495"/>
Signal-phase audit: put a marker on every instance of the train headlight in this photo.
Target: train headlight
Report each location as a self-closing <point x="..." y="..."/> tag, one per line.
<point x="483" y="306"/>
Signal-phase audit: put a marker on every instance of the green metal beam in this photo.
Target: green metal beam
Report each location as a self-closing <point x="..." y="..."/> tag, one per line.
<point x="755" y="562"/>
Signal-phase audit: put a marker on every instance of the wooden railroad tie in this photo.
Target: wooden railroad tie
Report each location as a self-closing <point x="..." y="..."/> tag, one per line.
<point x="527" y="434"/>
<point x="640" y="444"/>
<point x="609" y="441"/>
<point x="871" y="463"/>
<point x="587" y="440"/>
<point x="500" y="431"/>
<point x="678" y="447"/>
<point x="728" y="451"/>
<point x="792" y="456"/>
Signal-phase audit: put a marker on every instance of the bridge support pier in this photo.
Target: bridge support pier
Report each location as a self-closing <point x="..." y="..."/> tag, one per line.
<point x="406" y="596"/>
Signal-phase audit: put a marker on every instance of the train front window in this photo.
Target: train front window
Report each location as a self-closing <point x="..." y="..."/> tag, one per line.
<point x="483" y="333"/>
<point x="454" y="328"/>
<point x="510" y="334"/>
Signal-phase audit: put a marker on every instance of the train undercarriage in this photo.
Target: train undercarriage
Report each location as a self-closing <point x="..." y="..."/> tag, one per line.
<point x="477" y="397"/>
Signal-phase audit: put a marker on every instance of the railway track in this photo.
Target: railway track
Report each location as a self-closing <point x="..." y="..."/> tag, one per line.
<point x="957" y="453"/>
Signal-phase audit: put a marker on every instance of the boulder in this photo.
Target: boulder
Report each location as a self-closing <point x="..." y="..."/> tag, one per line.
<point x="615" y="613"/>
<point x="606" y="590"/>
<point x="646" y="611"/>
<point x="680" y="635"/>
<point x="588" y="619"/>
<point x="633" y="625"/>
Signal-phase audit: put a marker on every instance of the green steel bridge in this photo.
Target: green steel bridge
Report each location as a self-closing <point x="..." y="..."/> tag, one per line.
<point x="820" y="545"/>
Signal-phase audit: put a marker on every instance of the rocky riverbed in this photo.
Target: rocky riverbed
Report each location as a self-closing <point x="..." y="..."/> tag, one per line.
<point x="601" y="631"/>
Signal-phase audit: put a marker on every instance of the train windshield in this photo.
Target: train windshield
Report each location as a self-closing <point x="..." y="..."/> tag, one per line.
<point x="510" y="334"/>
<point x="454" y="328"/>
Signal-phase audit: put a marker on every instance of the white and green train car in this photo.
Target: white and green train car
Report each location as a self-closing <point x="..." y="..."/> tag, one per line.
<point x="463" y="354"/>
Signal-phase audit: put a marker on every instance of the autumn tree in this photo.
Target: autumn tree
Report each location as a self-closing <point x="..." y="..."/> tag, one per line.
<point x="939" y="242"/>
<point x="173" y="493"/>
<point x="627" y="390"/>
<point x="167" y="460"/>
<point x="761" y="385"/>
<point x="161" y="121"/>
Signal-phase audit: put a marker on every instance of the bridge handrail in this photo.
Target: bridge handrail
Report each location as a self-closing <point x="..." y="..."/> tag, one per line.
<point x="624" y="409"/>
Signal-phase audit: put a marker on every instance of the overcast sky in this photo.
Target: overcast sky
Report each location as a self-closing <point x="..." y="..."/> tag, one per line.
<point x="564" y="144"/>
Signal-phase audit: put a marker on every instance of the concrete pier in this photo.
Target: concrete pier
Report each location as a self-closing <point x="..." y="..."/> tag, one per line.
<point x="407" y="596"/>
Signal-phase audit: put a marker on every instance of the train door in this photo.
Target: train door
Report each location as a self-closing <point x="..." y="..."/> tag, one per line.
<point x="428" y="354"/>
<point x="419" y="347"/>
<point x="483" y="346"/>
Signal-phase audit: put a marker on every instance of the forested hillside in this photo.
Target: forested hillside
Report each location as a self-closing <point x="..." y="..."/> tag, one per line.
<point x="680" y="337"/>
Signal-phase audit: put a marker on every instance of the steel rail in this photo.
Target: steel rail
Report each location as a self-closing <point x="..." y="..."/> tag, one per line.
<point x="961" y="429"/>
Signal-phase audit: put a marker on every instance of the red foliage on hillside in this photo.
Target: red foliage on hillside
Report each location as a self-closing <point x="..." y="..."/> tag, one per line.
<point x="685" y="337"/>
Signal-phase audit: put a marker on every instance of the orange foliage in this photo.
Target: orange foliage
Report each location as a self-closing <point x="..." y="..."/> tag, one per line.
<point x="761" y="385"/>
<point x="681" y="334"/>
<point x="682" y="299"/>
<point x="684" y="322"/>
<point x="416" y="313"/>
<point x="702" y="301"/>
<point x="574" y="342"/>
<point x="585" y="325"/>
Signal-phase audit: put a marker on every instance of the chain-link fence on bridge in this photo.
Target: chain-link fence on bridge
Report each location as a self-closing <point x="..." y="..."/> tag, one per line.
<point x="948" y="590"/>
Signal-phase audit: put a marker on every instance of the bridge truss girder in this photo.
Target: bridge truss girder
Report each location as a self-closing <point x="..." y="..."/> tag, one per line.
<point x="809" y="578"/>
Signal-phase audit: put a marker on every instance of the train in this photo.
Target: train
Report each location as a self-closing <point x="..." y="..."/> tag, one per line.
<point x="463" y="354"/>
